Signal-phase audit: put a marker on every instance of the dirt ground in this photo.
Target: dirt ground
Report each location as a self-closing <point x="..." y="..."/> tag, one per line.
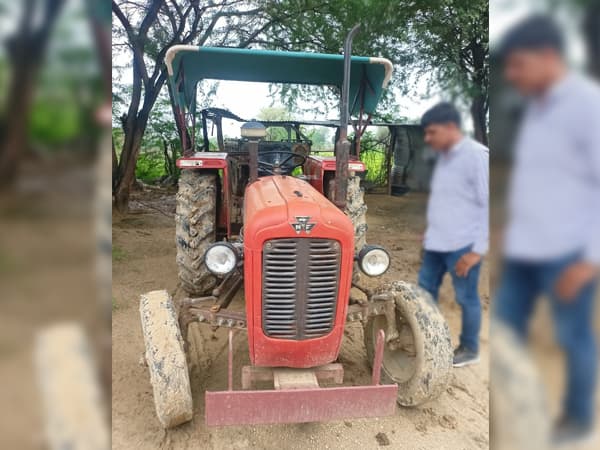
<point x="144" y="260"/>
<point x="47" y="261"/>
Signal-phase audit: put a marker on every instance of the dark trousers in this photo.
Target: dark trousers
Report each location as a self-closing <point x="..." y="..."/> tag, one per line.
<point x="521" y="284"/>
<point x="434" y="267"/>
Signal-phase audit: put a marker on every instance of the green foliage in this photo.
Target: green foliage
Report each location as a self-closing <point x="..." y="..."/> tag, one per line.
<point x="322" y="27"/>
<point x="117" y="138"/>
<point x="142" y="33"/>
<point x="321" y="137"/>
<point x="275" y="114"/>
<point x="150" y="166"/>
<point x="442" y="40"/>
<point x="160" y="146"/>
<point x="66" y="89"/>
<point x="54" y="123"/>
<point x="375" y="164"/>
<point x="372" y="153"/>
<point x="453" y="35"/>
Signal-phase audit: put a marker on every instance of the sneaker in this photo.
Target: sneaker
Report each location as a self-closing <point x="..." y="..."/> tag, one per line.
<point x="570" y="433"/>
<point x="464" y="357"/>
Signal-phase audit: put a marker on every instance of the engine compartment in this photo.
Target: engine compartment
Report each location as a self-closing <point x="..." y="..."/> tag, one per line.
<point x="298" y="261"/>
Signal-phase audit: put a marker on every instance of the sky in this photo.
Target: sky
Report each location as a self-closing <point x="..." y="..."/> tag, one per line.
<point x="247" y="99"/>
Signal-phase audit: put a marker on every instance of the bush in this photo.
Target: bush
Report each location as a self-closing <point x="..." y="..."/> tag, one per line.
<point x="375" y="163"/>
<point x="372" y="153"/>
<point x="150" y="166"/>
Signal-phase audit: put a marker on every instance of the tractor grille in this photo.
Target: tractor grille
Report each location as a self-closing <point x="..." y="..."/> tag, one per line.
<point x="300" y="286"/>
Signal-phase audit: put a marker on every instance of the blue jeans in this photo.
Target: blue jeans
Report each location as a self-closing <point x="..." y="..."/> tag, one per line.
<point x="435" y="265"/>
<point x="520" y="285"/>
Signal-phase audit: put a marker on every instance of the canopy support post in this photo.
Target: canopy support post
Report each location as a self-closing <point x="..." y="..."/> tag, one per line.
<point x="342" y="146"/>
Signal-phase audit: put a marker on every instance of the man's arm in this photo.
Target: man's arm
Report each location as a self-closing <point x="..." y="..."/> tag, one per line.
<point x="482" y="191"/>
<point x="481" y="172"/>
<point x="592" y="249"/>
<point x="579" y="274"/>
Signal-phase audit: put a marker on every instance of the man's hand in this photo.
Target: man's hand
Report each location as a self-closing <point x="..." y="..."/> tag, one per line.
<point x="574" y="278"/>
<point x="466" y="262"/>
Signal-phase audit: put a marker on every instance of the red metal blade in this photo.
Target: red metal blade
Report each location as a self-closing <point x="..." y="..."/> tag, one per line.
<point x="299" y="405"/>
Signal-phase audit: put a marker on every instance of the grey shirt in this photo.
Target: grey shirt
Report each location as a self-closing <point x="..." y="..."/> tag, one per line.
<point x="458" y="207"/>
<point x="554" y="195"/>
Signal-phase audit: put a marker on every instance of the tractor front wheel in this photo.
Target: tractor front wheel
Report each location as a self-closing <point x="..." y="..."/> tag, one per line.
<point x="419" y="360"/>
<point x="166" y="360"/>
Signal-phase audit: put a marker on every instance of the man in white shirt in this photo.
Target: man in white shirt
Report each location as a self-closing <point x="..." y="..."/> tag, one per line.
<point x="552" y="239"/>
<point x="457" y="221"/>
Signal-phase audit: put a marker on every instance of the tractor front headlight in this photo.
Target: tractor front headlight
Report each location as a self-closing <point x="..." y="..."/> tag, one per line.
<point x="221" y="258"/>
<point x="373" y="260"/>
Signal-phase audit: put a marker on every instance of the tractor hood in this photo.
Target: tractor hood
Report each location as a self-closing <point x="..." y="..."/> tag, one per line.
<point x="298" y="257"/>
<point x="284" y="206"/>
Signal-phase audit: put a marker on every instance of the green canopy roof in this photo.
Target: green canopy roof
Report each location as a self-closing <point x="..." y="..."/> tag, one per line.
<point x="187" y="65"/>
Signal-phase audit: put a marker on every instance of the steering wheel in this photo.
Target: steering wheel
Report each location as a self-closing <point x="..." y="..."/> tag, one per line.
<point x="275" y="169"/>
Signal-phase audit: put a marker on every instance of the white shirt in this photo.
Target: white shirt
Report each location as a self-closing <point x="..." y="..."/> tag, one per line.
<point x="554" y="195"/>
<point x="458" y="208"/>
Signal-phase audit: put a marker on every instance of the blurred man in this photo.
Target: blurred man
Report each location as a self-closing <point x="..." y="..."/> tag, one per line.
<point x="552" y="244"/>
<point x="457" y="221"/>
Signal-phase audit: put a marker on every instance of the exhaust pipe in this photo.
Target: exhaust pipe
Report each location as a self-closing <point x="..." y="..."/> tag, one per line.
<point x="342" y="146"/>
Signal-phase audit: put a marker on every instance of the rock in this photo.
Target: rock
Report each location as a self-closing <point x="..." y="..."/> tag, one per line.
<point x="382" y="439"/>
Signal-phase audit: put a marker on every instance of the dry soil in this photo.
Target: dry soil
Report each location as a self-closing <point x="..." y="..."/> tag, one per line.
<point x="144" y="260"/>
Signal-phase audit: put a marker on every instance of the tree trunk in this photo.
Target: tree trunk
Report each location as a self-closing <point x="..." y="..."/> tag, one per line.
<point x="15" y="136"/>
<point x="115" y="165"/>
<point x="129" y="154"/>
<point x="478" y="114"/>
<point x="479" y="102"/>
<point x="26" y="51"/>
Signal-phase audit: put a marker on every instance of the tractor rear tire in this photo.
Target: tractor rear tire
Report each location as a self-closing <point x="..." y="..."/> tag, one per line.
<point x="166" y="359"/>
<point x="356" y="209"/>
<point x="195" y="221"/>
<point x="421" y="364"/>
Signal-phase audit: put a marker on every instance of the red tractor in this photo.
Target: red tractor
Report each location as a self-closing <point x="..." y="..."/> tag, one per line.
<point x="288" y="228"/>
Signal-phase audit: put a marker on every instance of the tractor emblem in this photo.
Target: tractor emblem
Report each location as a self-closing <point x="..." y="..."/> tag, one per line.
<point x="302" y="224"/>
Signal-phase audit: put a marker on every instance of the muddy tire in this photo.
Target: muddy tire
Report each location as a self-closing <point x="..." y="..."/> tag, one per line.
<point x="74" y="411"/>
<point x="518" y="418"/>
<point x="356" y="209"/>
<point x="166" y="359"/>
<point x="195" y="222"/>
<point x="421" y="363"/>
